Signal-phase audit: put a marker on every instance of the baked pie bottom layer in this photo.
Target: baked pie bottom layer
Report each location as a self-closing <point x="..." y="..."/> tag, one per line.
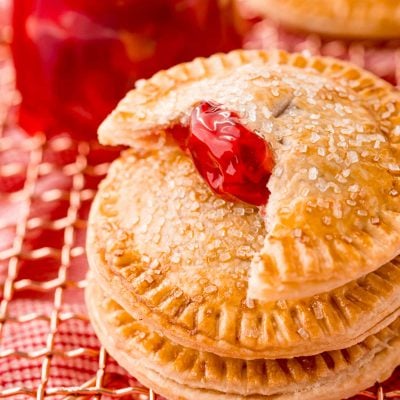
<point x="181" y="373"/>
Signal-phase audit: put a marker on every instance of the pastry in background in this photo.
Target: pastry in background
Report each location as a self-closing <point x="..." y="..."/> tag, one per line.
<point x="365" y="32"/>
<point x="341" y="18"/>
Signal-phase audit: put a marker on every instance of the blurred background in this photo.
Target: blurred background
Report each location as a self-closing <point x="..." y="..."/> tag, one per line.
<point x="64" y="65"/>
<point x="75" y="59"/>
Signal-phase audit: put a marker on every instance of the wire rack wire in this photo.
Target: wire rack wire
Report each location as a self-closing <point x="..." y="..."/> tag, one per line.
<point x="30" y="160"/>
<point x="82" y="164"/>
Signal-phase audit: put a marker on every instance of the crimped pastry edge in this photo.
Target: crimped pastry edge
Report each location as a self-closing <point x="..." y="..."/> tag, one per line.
<point x="375" y="367"/>
<point x="119" y="128"/>
<point x="136" y="304"/>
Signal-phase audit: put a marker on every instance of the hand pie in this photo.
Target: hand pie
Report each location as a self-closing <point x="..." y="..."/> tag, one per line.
<point x="341" y="18"/>
<point x="333" y="211"/>
<point x="255" y="219"/>
<point x="183" y="373"/>
<point x="177" y="257"/>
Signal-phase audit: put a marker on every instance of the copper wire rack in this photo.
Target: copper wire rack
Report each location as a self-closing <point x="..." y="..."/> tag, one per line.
<point x="60" y="246"/>
<point x="48" y="239"/>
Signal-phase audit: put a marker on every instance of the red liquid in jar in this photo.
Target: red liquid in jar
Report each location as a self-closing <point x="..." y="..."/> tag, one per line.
<point x="75" y="59"/>
<point x="235" y="162"/>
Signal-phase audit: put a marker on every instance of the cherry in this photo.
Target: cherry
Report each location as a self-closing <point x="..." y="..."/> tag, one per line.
<point x="235" y="162"/>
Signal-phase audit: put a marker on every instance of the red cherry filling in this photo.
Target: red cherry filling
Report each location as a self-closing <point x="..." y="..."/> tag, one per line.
<point x="235" y="162"/>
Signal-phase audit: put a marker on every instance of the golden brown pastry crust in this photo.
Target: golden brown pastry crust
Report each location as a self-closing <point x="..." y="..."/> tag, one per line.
<point x="334" y="211"/>
<point x="341" y="18"/>
<point x="177" y="258"/>
<point x="181" y="373"/>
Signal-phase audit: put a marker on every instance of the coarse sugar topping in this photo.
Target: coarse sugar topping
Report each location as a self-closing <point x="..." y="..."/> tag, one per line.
<point x="333" y="212"/>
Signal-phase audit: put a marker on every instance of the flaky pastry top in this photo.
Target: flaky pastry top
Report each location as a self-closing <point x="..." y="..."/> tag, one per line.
<point x="334" y="129"/>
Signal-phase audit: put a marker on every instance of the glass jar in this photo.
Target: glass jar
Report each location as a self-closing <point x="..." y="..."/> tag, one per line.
<point x="75" y="59"/>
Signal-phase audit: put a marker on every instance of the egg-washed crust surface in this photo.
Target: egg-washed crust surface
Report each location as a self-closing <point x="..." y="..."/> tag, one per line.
<point x="181" y="373"/>
<point x="340" y="18"/>
<point x="334" y="211"/>
<point x="140" y="245"/>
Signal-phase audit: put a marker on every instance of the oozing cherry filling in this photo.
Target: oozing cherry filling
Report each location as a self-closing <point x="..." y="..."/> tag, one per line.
<point x="235" y="162"/>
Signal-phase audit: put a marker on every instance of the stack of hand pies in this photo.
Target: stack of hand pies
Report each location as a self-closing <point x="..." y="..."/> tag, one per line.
<point x="246" y="245"/>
